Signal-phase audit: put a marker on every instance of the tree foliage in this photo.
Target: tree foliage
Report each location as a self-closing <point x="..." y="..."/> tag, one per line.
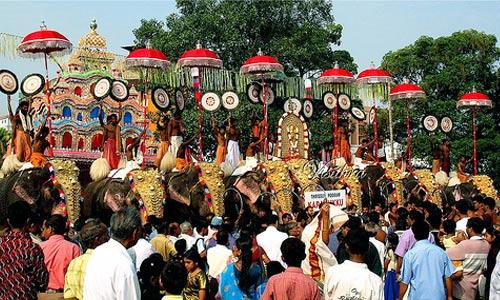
<point x="299" y="33"/>
<point x="446" y="68"/>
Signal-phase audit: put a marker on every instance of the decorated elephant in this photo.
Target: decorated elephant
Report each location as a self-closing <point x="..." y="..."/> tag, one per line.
<point x="141" y="188"/>
<point x="34" y="186"/>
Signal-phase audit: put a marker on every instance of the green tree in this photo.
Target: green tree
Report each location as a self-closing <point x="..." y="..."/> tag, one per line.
<point x="299" y="33"/>
<point x="446" y="68"/>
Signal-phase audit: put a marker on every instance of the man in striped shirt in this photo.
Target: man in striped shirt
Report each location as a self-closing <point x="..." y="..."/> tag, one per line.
<point x="470" y="258"/>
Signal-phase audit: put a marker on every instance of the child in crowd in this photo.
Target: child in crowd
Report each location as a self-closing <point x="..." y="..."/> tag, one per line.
<point x="149" y="277"/>
<point x="450" y="238"/>
<point x="173" y="279"/>
<point x="391" y="288"/>
<point x="197" y="283"/>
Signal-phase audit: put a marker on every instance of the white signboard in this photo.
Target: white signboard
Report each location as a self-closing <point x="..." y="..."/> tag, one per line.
<point x="337" y="198"/>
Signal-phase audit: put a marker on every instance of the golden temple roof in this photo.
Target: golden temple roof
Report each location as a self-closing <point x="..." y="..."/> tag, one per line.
<point x="92" y="39"/>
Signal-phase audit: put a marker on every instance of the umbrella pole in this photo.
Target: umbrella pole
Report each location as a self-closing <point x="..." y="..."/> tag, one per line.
<point x="391" y="129"/>
<point x="475" y="138"/>
<point x="264" y="99"/>
<point x="336" y="127"/>
<point x="408" y="131"/>
<point x="47" y="90"/>
<point x="375" y="131"/>
<point x="200" y="118"/>
<point x="145" y="112"/>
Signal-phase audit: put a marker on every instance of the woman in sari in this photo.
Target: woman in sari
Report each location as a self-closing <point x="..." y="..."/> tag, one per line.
<point x="241" y="278"/>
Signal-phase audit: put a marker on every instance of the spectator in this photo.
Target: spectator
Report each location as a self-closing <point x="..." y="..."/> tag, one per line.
<point x="272" y="268"/>
<point x="294" y="229"/>
<point x="111" y="274"/>
<point x="240" y="279"/>
<point x="407" y="239"/>
<point x="271" y="239"/>
<point x="187" y="234"/>
<point x="470" y="258"/>
<point x="149" y="277"/>
<point x="173" y="279"/>
<point x="197" y="284"/>
<point x="491" y="260"/>
<point x="465" y="211"/>
<point x="162" y="243"/>
<point x="352" y="279"/>
<point x="57" y="251"/>
<point x="426" y="268"/>
<point x="180" y="248"/>
<point x="372" y="258"/>
<point x="92" y="234"/>
<point x="450" y="237"/>
<point x="141" y="250"/>
<point x="218" y="256"/>
<point x="286" y="218"/>
<point x="373" y="229"/>
<point x="293" y="283"/>
<point x="22" y="268"/>
<point x="174" y="231"/>
<point x="391" y="285"/>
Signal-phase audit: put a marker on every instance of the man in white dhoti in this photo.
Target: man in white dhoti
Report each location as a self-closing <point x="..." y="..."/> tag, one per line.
<point x="175" y="130"/>
<point x="233" y="147"/>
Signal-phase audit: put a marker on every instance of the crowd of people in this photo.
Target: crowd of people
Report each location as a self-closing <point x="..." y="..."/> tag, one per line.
<point x="413" y="251"/>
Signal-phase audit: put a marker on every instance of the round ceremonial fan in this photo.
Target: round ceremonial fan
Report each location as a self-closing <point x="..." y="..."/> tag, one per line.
<point x="269" y="93"/>
<point x="161" y="99"/>
<point x="101" y="88"/>
<point x="430" y="123"/>
<point x="307" y="108"/>
<point x="446" y="124"/>
<point x="32" y="84"/>
<point x="371" y="115"/>
<point x="253" y="92"/>
<point x="210" y="101"/>
<point x="119" y="91"/>
<point x="344" y="102"/>
<point x="179" y="100"/>
<point x="358" y="113"/>
<point x="293" y="105"/>
<point x="8" y="82"/>
<point x="230" y="100"/>
<point x="329" y="100"/>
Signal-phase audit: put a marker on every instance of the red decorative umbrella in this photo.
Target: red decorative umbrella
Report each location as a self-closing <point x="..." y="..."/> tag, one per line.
<point x="261" y="65"/>
<point x="146" y="58"/>
<point x="42" y="43"/>
<point x="375" y="76"/>
<point x="474" y="101"/>
<point x="197" y="59"/>
<point x="336" y="76"/>
<point x="407" y="92"/>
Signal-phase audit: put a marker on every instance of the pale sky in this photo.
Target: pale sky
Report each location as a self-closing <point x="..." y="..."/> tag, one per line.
<point x="371" y="28"/>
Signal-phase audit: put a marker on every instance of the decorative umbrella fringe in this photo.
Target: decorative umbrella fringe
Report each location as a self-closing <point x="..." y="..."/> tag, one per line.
<point x="55" y="48"/>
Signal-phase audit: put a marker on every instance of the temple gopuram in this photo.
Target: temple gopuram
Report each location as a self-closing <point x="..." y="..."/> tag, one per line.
<point x="76" y="130"/>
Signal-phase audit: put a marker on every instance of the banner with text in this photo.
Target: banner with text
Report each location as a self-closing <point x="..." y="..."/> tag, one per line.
<point x="334" y="197"/>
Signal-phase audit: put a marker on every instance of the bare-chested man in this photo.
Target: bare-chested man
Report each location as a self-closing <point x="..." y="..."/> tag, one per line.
<point x="111" y="137"/>
<point x="233" y="148"/>
<point x="175" y="130"/>
<point x="162" y="126"/>
<point x="22" y="129"/>
<point x="445" y="152"/>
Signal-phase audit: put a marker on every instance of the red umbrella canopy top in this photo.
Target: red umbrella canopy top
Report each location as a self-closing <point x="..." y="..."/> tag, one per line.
<point x="406" y="91"/>
<point x="474" y="99"/>
<point x="44" y="41"/>
<point x="147" y="58"/>
<point x="335" y="75"/>
<point x="374" y="75"/>
<point x="199" y="57"/>
<point x="261" y="64"/>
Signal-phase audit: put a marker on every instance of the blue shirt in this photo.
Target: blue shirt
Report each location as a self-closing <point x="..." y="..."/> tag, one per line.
<point x="424" y="268"/>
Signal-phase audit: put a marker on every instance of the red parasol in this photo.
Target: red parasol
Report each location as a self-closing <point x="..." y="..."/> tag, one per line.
<point x="336" y="76"/>
<point x="42" y="43"/>
<point x="195" y="59"/>
<point x="199" y="57"/>
<point x="408" y="92"/>
<point x="474" y="101"/>
<point x="261" y="65"/>
<point x="375" y="76"/>
<point x="146" y="58"/>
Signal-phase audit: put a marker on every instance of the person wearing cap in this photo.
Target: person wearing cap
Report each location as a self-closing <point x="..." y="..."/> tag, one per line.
<point x="93" y="234"/>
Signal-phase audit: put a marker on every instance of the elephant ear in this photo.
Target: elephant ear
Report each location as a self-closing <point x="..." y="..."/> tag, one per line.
<point x="99" y="169"/>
